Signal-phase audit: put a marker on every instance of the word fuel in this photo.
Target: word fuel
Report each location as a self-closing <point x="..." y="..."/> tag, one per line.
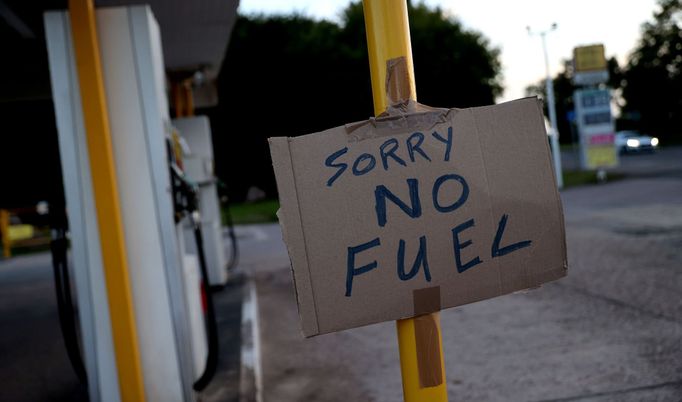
<point x="365" y="163"/>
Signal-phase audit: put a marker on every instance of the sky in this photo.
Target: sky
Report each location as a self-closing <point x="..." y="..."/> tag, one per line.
<point x="615" y="23"/>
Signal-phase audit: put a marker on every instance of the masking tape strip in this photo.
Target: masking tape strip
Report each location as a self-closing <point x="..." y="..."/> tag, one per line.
<point x="427" y="301"/>
<point x="393" y="125"/>
<point x="428" y="351"/>
<point x="403" y="114"/>
<point x="397" y="80"/>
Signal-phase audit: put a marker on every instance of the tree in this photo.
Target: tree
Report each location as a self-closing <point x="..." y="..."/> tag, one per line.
<point x="652" y="79"/>
<point x="563" y="99"/>
<point x="291" y="75"/>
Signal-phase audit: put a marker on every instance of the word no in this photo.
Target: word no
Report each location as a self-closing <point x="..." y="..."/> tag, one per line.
<point x="414" y="210"/>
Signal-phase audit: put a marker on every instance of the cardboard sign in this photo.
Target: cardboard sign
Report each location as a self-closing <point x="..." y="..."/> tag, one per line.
<point x="412" y="213"/>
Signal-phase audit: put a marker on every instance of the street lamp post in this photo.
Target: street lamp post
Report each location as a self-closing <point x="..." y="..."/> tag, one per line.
<point x="551" y="106"/>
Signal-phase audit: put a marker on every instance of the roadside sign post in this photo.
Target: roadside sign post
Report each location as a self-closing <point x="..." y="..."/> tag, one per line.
<point x="595" y="125"/>
<point x="388" y="37"/>
<point x="594" y="119"/>
<point x="551" y="107"/>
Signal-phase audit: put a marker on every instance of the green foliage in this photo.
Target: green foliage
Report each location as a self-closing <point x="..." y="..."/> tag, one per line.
<point x="291" y="75"/>
<point x="453" y="66"/>
<point x="652" y="80"/>
<point x="251" y="212"/>
<point x="577" y="178"/>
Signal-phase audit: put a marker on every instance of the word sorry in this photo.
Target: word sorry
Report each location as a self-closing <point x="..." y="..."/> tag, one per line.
<point x="388" y="150"/>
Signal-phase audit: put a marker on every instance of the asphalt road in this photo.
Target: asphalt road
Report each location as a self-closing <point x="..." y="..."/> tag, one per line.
<point x="33" y="361"/>
<point x="610" y="331"/>
<point x="665" y="162"/>
<point x="34" y="366"/>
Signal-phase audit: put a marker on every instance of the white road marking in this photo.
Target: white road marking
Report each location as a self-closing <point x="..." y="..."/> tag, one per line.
<point x="250" y="348"/>
<point x="254" y="233"/>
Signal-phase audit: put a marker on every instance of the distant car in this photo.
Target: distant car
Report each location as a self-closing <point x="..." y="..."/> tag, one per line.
<point x="633" y="141"/>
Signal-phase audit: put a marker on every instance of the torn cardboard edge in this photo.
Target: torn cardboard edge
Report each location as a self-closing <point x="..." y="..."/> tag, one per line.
<point x="407" y="116"/>
<point x="280" y="218"/>
<point x="560" y="205"/>
<point x="292" y="233"/>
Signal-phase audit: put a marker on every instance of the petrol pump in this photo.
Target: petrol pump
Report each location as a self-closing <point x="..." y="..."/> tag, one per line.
<point x="174" y="325"/>
<point x="198" y="164"/>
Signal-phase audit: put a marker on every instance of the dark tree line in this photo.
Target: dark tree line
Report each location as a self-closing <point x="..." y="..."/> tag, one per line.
<point x="648" y="88"/>
<point x="291" y="75"/>
<point x="652" y="80"/>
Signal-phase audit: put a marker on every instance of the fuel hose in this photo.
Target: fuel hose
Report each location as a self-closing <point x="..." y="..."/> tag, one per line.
<point x="67" y="322"/>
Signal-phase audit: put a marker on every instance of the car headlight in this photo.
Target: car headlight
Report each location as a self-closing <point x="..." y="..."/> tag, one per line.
<point x="654" y="142"/>
<point x="633" y="143"/>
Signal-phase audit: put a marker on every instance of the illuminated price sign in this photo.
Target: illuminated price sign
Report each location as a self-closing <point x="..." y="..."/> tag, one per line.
<point x="589" y="65"/>
<point x="595" y="124"/>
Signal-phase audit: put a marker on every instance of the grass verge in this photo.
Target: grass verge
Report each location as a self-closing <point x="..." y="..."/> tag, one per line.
<point x="266" y="211"/>
<point x="575" y="178"/>
<point x="252" y="212"/>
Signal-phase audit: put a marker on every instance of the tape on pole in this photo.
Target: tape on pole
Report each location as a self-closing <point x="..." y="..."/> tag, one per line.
<point x="427" y="301"/>
<point x="398" y="88"/>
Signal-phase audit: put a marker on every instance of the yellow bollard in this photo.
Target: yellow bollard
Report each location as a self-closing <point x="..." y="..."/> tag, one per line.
<point x="388" y="37"/>
<point x="182" y="98"/>
<point x="189" y="98"/>
<point x="105" y="189"/>
<point x="4" y="233"/>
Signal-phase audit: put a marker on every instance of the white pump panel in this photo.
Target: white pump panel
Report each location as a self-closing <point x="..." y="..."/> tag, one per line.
<point x="134" y="80"/>
<point x="199" y="168"/>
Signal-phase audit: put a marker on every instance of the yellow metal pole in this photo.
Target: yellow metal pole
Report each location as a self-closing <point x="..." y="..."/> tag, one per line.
<point x="105" y="189"/>
<point x="388" y="37"/>
<point x="4" y="233"/>
<point x="189" y="98"/>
